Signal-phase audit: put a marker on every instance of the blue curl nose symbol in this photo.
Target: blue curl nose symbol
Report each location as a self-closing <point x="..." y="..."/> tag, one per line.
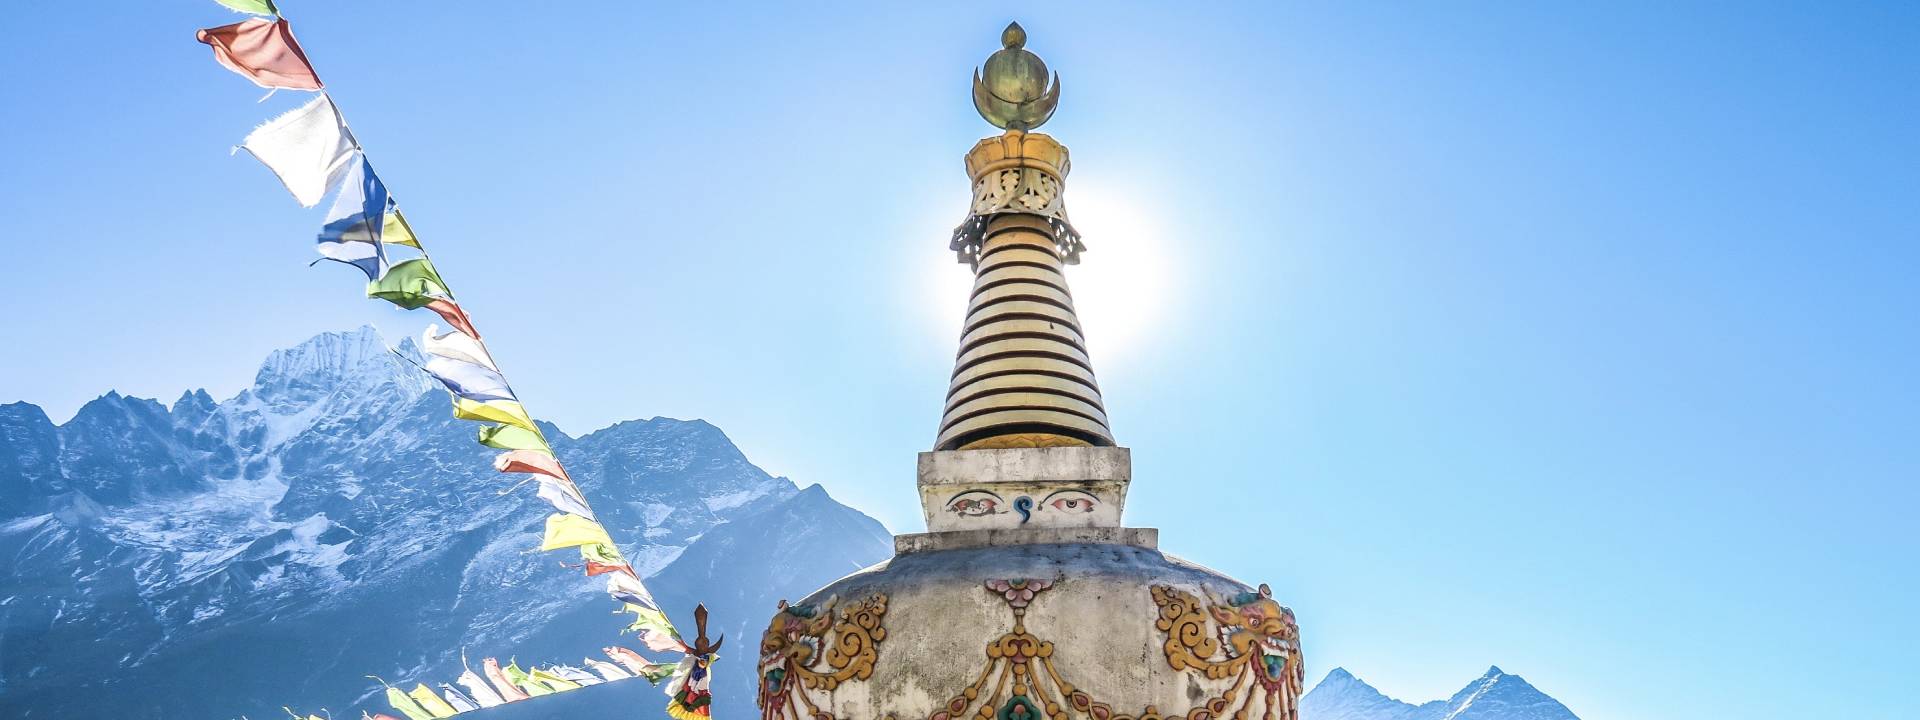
<point x="1024" y="506"/>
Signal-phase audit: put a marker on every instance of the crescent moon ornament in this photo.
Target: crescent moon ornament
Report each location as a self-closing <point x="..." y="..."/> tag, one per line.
<point x="1012" y="91"/>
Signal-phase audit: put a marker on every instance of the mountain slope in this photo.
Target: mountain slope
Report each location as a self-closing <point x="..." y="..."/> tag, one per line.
<point x="212" y="559"/>
<point x="1495" y="696"/>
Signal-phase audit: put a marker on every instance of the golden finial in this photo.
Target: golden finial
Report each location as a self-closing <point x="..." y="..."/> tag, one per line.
<point x="1012" y="92"/>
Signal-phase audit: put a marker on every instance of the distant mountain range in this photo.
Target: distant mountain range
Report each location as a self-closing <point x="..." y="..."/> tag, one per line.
<point x="212" y="559"/>
<point x="1495" y="696"/>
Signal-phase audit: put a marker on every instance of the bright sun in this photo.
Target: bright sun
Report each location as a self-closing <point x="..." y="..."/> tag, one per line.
<point x="1120" y="288"/>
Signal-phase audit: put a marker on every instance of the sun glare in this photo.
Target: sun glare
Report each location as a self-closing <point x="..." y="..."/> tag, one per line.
<point x="1121" y="287"/>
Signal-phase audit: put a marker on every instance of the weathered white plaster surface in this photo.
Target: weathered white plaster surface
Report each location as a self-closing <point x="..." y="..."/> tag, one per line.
<point x="1099" y="616"/>
<point x="1024" y="487"/>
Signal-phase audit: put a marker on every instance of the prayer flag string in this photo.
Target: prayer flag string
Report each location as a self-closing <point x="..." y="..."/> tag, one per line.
<point x="313" y="153"/>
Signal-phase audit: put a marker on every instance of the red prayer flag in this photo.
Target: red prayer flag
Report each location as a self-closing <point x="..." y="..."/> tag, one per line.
<point x="530" y="461"/>
<point x="451" y="312"/>
<point x="263" y="51"/>
<point x="594" y="568"/>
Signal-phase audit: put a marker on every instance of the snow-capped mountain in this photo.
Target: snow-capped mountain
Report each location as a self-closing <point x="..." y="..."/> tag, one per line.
<point x="1495" y="696"/>
<point x="213" y="559"/>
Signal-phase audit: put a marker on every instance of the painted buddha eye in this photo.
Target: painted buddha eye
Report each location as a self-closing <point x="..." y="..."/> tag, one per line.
<point x="1070" y="501"/>
<point x="974" y="503"/>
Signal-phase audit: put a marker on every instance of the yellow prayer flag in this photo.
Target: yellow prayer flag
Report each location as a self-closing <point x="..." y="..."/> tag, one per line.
<point x="559" y="684"/>
<point x="396" y="231"/>
<point x="506" y="412"/>
<point x="565" y="531"/>
<point x="431" y="702"/>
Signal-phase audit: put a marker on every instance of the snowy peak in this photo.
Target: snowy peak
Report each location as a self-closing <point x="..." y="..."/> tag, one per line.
<point x="1341" y="696"/>
<point x="1499" y="696"/>
<point x="1494" y="696"/>
<point x="338" y="507"/>
<point x="327" y="357"/>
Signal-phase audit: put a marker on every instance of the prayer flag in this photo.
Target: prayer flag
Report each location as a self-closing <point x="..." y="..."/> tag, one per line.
<point x="559" y="684"/>
<point x="660" y="642"/>
<point x="263" y="51"/>
<point x="405" y="704"/>
<point x="513" y="437"/>
<point x="449" y="311"/>
<point x="564" y="498"/>
<point x="470" y="381"/>
<point x="431" y="702"/>
<point x="411" y="284"/>
<point x="379" y="716"/>
<point x="565" y="531"/>
<point x="627" y="658"/>
<point x="575" y="674"/>
<point x="456" y="345"/>
<point x="602" y="559"/>
<point x="528" y="461"/>
<point x="395" y="230"/>
<point x="500" y="411"/>
<point x="626" y="587"/>
<point x="655" y="630"/>
<point x="477" y="687"/>
<point x="459" y="700"/>
<point x="257" y="7"/>
<point x="520" y="679"/>
<point x="508" y="691"/>
<point x="352" y="233"/>
<point x="608" y="670"/>
<point x="308" y="148"/>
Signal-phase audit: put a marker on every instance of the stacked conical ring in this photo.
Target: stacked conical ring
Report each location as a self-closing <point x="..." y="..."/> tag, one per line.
<point x="1022" y="377"/>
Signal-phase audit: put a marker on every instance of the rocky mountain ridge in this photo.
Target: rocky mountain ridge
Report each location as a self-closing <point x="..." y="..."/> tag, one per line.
<point x="218" y="558"/>
<point x="1494" y="696"/>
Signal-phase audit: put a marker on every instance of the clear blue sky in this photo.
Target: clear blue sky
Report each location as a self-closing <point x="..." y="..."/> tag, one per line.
<point x="1576" y="339"/>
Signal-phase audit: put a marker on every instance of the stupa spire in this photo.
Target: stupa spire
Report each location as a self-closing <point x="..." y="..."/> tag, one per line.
<point x="1022" y="377"/>
<point x="1028" y="598"/>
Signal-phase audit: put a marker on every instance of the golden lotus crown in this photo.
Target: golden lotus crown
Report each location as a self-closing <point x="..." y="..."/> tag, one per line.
<point x="1018" y="149"/>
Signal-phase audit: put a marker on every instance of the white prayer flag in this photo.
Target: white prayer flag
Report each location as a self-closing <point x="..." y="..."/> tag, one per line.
<point x="308" y="148"/>
<point x="608" y="670"/>
<point x="575" y="674"/>
<point x="479" y="690"/>
<point x="468" y="380"/>
<point x="456" y="345"/>
<point x="562" y="497"/>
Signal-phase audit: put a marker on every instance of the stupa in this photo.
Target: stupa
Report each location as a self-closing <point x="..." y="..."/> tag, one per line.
<point x="1027" y="598"/>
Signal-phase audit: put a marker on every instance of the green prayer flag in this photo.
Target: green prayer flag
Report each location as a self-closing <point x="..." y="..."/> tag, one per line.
<point x="520" y="679"/>
<point x="601" y="554"/>
<point x="513" y="437"/>
<point x="411" y="284"/>
<point x="257" y="7"/>
<point x="559" y="684"/>
<point x="406" y="705"/>
<point x="645" y="619"/>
